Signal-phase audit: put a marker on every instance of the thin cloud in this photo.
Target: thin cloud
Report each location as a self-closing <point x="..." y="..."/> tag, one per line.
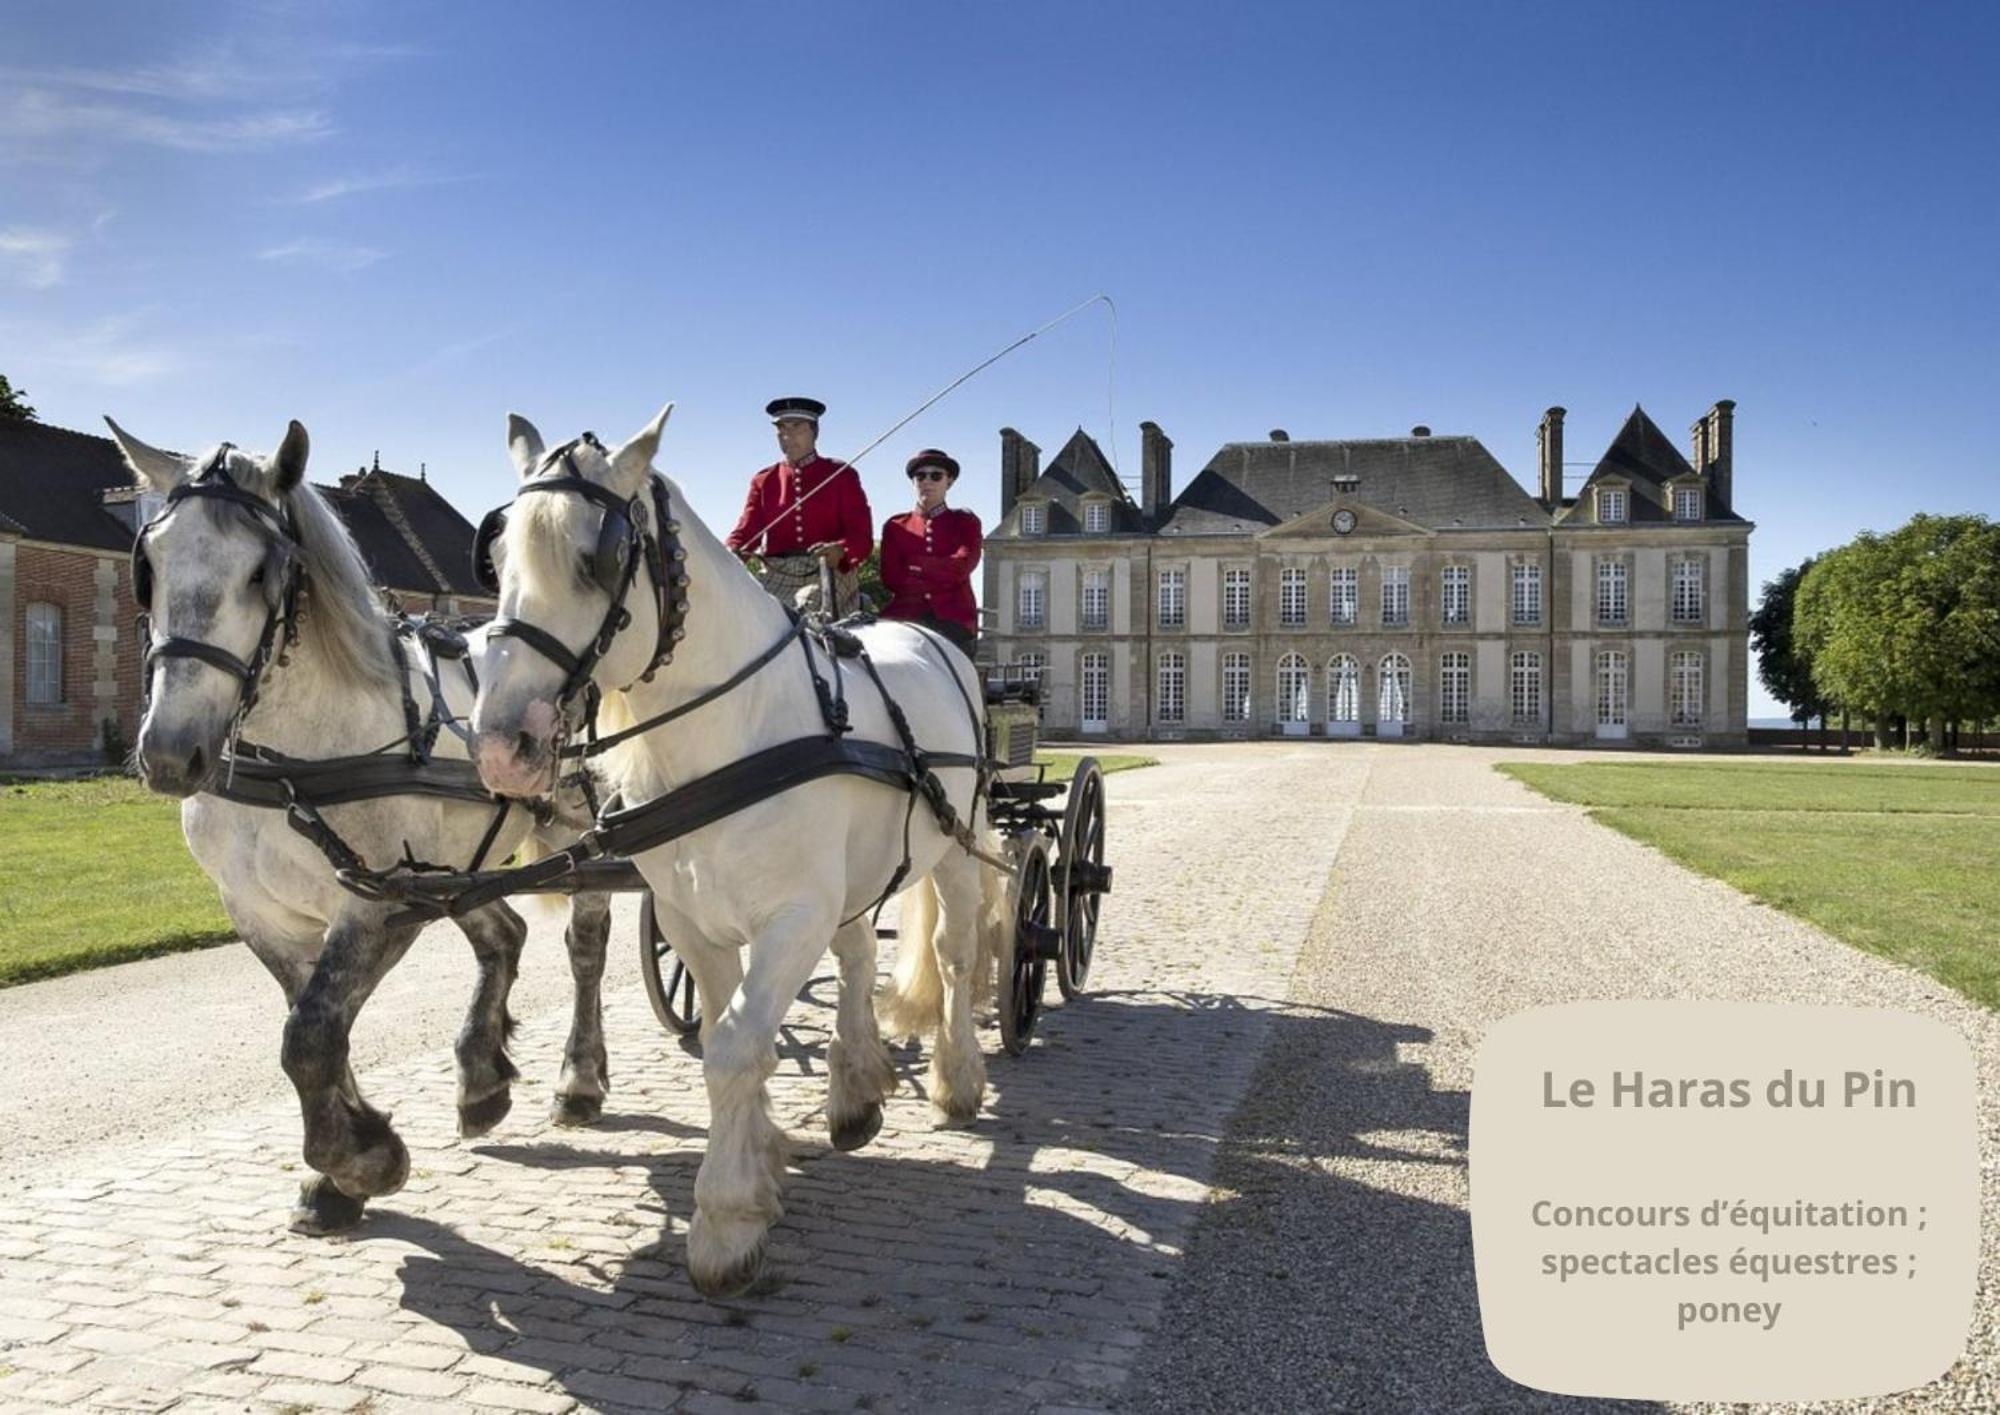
<point x="38" y="258"/>
<point x="453" y="352"/>
<point x="327" y="255"/>
<point x="108" y="352"/>
<point x="334" y="188"/>
<point x="39" y="116"/>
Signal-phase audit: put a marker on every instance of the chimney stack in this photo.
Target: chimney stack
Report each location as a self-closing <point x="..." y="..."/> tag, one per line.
<point x="1719" y="445"/>
<point x="1549" y="440"/>
<point x="1020" y="464"/>
<point x="1156" y="460"/>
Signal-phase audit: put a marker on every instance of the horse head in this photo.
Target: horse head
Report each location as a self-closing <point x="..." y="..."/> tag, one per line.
<point x="590" y="587"/>
<point x="215" y="573"/>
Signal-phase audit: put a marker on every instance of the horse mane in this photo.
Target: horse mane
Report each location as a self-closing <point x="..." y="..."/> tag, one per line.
<point x="343" y="620"/>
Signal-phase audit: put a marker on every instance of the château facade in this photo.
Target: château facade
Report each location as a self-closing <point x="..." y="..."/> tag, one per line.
<point x="1380" y="588"/>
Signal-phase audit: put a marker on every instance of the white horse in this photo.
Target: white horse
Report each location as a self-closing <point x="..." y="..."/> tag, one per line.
<point x="779" y="878"/>
<point x="237" y="532"/>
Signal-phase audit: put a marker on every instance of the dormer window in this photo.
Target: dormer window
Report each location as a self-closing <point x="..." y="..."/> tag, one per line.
<point x="1687" y="503"/>
<point x="1096" y="518"/>
<point x="1034" y="518"/>
<point x="1611" y="506"/>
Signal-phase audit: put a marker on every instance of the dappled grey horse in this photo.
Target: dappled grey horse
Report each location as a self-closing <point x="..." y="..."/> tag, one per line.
<point x="281" y="693"/>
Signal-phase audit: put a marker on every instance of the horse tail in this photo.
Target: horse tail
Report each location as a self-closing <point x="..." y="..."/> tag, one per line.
<point x="912" y="1005"/>
<point x="996" y="926"/>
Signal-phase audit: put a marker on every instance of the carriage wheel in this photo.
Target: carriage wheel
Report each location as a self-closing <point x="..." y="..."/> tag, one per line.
<point x="669" y="985"/>
<point x="1081" y="877"/>
<point x="1036" y="940"/>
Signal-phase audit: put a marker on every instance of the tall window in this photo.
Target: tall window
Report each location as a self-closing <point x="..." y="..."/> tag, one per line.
<point x="1346" y="593"/>
<point x="1527" y="592"/>
<point x="1236" y="599"/>
<point x="1292" y="596"/>
<point x="1611" y="597"/>
<point x="1236" y="687"/>
<point x="1611" y="505"/>
<point x="1031" y="608"/>
<point x="1455" y="688"/>
<point x="1458" y="594"/>
<point x="1688" y="591"/>
<point x="1096" y="689"/>
<point x="1096" y="517"/>
<point x="1395" y="595"/>
<point x="1525" y="688"/>
<point x="1173" y="599"/>
<point x="45" y="655"/>
<point x="1031" y="665"/>
<point x="1034" y="518"/>
<point x="1343" y="689"/>
<point x="1686" y="689"/>
<point x="1170" y="700"/>
<point x="1687" y="503"/>
<point x="1294" y="689"/>
<point x="1096" y="599"/>
<point x="1611" y="689"/>
<point x="1392" y="699"/>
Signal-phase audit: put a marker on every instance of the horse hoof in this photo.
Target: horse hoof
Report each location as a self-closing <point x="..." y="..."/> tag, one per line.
<point x="857" y="1130"/>
<point x="733" y="1281"/>
<point x="324" y="1207"/>
<point x="476" y="1118"/>
<point x="576" y="1110"/>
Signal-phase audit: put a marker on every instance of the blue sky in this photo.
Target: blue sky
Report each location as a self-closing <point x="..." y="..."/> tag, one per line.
<point x="397" y="222"/>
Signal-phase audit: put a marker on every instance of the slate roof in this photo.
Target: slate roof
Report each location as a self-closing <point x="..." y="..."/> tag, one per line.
<point x="54" y="485"/>
<point x="1647" y="459"/>
<point x="1077" y="471"/>
<point x="1441" y="483"/>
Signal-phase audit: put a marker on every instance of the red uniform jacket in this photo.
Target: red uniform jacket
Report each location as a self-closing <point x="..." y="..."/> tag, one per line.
<point x="788" y="525"/>
<point x="927" y="565"/>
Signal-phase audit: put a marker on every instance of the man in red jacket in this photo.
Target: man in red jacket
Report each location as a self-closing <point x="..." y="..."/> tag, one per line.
<point x="804" y="510"/>
<point x="928" y="555"/>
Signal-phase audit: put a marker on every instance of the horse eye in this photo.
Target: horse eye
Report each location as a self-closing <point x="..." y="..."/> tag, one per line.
<point x="257" y="576"/>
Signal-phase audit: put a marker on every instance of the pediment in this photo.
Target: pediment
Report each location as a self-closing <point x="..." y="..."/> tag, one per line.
<point x="1318" y="523"/>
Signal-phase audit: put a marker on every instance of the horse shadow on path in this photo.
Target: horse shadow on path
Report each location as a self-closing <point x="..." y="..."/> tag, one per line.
<point x="1065" y="1249"/>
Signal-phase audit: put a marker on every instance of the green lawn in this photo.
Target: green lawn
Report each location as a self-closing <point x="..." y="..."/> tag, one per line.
<point x="1062" y="765"/>
<point x="95" y="871"/>
<point x="1901" y="861"/>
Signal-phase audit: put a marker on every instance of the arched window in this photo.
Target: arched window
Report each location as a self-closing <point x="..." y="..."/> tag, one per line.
<point x="1343" y="696"/>
<point x="1392" y="697"/>
<point x="1294" y="692"/>
<point x="45" y="655"/>
<point x="1170" y="701"/>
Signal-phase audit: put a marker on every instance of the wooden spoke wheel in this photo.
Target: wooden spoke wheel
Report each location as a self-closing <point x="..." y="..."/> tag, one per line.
<point x="669" y="985"/>
<point x="1081" y="876"/>
<point x="1037" y="939"/>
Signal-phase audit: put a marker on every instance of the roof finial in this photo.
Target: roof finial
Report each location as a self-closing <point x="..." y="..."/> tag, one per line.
<point x="378" y="461"/>
<point x="423" y="471"/>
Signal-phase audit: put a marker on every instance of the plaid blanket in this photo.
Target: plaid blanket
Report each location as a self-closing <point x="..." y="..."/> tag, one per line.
<point x="794" y="580"/>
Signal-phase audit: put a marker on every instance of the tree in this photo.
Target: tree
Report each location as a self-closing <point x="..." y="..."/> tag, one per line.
<point x="1782" y="663"/>
<point x="14" y="403"/>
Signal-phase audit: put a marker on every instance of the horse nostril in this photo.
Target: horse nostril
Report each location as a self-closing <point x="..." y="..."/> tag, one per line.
<point x="524" y="746"/>
<point x="196" y="761"/>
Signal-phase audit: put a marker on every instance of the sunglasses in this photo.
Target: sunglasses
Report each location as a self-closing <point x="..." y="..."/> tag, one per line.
<point x="929" y="474"/>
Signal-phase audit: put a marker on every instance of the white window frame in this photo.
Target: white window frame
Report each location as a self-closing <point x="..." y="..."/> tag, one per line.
<point x="1170" y="595"/>
<point x="1236" y="597"/>
<point x="1343" y="696"/>
<point x="1614" y="600"/>
<point x="1292" y="597"/>
<point x="1524" y="688"/>
<point x="1170" y="694"/>
<point x="1613" y="692"/>
<point x="1293" y="681"/>
<point x="1613" y="506"/>
<point x="1525" y="601"/>
<point x="1344" y="598"/>
<point x="1687" y="503"/>
<point x="1034" y="518"/>
<point x="1689" y="592"/>
<point x="1093" y="689"/>
<point x="1096" y="518"/>
<point x="1455" y="585"/>
<point x="1395" y="596"/>
<point x="1096" y="610"/>
<point x="1031" y="600"/>
<point x="1687" y="688"/>
<point x="1033" y="664"/>
<point x="1236" y="693"/>
<point x="1392" y="695"/>
<point x="1455" y="688"/>
<point x="45" y="655"/>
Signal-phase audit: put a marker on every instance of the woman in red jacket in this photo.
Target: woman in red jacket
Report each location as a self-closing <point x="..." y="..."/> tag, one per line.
<point x="929" y="554"/>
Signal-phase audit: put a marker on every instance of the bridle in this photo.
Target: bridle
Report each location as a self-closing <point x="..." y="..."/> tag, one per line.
<point x="633" y="533"/>
<point x="281" y="619"/>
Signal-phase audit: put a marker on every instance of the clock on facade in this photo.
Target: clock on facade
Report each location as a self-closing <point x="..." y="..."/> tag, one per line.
<point x="1343" y="521"/>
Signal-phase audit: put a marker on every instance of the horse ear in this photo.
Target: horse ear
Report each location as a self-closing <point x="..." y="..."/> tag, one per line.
<point x="524" y="445"/>
<point x="161" y="471"/>
<point x="631" y="463"/>
<point x="288" y="463"/>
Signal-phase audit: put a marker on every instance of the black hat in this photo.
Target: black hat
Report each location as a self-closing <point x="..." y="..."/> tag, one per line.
<point x="808" y="408"/>
<point x="932" y="457"/>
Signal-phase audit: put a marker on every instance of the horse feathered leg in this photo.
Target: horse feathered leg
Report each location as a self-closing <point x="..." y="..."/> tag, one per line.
<point x="958" y="1068"/>
<point x="859" y="1072"/>
<point x="586" y="1071"/>
<point x="485" y="1073"/>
